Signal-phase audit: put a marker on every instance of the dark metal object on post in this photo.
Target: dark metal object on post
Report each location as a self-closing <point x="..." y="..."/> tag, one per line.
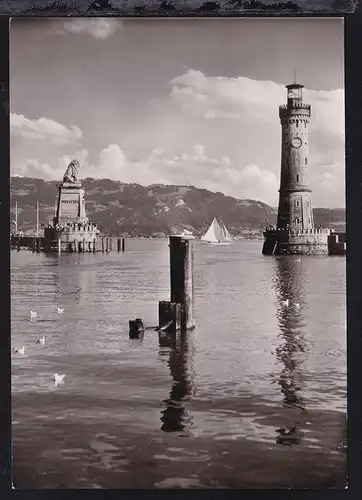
<point x="170" y="316"/>
<point x="136" y="328"/>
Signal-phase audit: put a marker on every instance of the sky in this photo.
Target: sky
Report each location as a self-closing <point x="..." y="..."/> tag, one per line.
<point x="186" y="102"/>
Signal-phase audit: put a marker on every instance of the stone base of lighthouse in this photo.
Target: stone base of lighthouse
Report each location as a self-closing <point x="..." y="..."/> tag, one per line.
<point x="288" y="242"/>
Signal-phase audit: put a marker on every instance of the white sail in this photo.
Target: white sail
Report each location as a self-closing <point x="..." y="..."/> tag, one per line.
<point x="213" y="234"/>
<point x="226" y="235"/>
<point x="217" y="233"/>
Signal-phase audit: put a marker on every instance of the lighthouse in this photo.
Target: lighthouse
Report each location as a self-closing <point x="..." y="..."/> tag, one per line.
<point x="295" y="195"/>
<point x="295" y="232"/>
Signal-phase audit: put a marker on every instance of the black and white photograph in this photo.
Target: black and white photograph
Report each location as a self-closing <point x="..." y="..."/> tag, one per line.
<point x="178" y="253"/>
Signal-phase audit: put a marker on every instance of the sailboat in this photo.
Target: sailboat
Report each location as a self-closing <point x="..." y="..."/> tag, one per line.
<point x="217" y="234"/>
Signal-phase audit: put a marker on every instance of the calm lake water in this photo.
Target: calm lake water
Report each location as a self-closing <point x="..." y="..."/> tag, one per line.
<point x="206" y="411"/>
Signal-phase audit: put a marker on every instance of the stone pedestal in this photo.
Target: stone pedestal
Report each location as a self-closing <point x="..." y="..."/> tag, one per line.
<point x="71" y="204"/>
<point x="70" y="225"/>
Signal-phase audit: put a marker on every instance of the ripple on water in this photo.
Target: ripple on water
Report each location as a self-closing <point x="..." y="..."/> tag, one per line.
<point x="250" y="367"/>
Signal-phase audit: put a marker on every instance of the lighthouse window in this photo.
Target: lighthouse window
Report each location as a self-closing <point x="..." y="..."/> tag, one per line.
<point x="297" y="221"/>
<point x="305" y="161"/>
<point x="297" y="178"/>
<point x="305" y="124"/>
<point x="297" y="203"/>
<point x="296" y="123"/>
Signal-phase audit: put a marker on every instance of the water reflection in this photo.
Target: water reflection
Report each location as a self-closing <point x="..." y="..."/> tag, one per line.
<point x="72" y="277"/>
<point x="291" y="352"/>
<point x="178" y="348"/>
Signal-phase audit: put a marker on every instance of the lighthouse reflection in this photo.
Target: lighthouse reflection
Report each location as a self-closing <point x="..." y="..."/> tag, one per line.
<point x="291" y="351"/>
<point x="177" y="349"/>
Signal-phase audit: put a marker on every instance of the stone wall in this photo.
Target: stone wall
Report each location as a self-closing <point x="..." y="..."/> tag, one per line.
<point x="87" y="233"/>
<point x="337" y="243"/>
<point x="283" y="242"/>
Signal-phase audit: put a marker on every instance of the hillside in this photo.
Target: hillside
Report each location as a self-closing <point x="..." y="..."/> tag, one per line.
<point x="156" y="210"/>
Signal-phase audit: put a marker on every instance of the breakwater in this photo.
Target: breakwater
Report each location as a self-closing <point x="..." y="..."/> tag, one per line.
<point x="42" y="244"/>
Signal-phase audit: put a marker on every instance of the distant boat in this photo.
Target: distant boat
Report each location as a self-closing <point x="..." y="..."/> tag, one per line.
<point x="186" y="232"/>
<point x="217" y="234"/>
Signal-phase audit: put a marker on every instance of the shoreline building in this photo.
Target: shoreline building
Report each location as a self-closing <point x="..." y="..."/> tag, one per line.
<point x="70" y="229"/>
<point x="295" y="232"/>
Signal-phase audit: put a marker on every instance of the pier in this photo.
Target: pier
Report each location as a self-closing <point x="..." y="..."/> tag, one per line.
<point x="42" y="244"/>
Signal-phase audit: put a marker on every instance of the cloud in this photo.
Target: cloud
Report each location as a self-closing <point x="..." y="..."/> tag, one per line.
<point x="189" y="168"/>
<point x="32" y="168"/>
<point x="243" y="98"/>
<point x="44" y="129"/>
<point x="252" y="106"/>
<point x="226" y="138"/>
<point x="100" y="28"/>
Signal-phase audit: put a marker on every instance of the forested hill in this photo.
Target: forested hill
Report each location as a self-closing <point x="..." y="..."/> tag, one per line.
<point x="156" y="210"/>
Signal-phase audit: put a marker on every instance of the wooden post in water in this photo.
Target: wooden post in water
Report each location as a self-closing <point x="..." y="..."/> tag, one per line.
<point x="83" y="249"/>
<point x="75" y="245"/>
<point x="37" y="219"/>
<point x="89" y="246"/>
<point x="37" y="245"/>
<point x="181" y="274"/>
<point x="118" y="244"/>
<point x="107" y="244"/>
<point x="34" y="245"/>
<point x="123" y="244"/>
<point x="110" y="244"/>
<point x="18" y="243"/>
<point x="16" y="217"/>
<point x="102" y="244"/>
<point x="59" y="246"/>
<point x="94" y="244"/>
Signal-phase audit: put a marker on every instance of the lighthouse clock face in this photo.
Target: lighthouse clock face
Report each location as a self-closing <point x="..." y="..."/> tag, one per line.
<point x="296" y="142"/>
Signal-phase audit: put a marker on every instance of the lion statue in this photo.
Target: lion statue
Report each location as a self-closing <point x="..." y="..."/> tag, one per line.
<point x="71" y="174"/>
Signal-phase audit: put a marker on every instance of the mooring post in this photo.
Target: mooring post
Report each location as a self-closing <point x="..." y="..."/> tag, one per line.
<point x="123" y="244"/>
<point x="83" y="248"/>
<point x="94" y="244"/>
<point x="102" y="244"/>
<point x="107" y="244"/>
<point x="136" y="328"/>
<point x="118" y="245"/>
<point x="75" y="246"/>
<point x="34" y="244"/>
<point x="38" y="245"/>
<point x="110" y="244"/>
<point x="89" y="246"/>
<point x="18" y="243"/>
<point x="181" y="274"/>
